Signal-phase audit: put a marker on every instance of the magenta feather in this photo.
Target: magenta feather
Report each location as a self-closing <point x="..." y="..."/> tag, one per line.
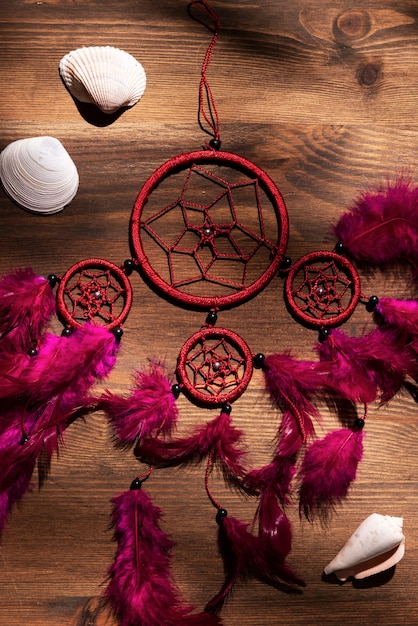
<point x="365" y="368"/>
<point x="402" y="314"/>
<point x="328" y="469"/>
<point x="382" y="227"/>
<point x="292" y="384"/>
<point x="150" y="409"/>
<point x="246" y="556"/>
<point x="54" y="390"/>
<point x="140" y="589"/>
<point x="27" y="303"/>
<point x="217" y="437"/>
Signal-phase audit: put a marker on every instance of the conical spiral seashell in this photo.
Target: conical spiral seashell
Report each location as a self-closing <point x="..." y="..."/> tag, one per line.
<point x="38" y="174"/>
<point x="105" y="76"/>
<point x="377" y="545"/>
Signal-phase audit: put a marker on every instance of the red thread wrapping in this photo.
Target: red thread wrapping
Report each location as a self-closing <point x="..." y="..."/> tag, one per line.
<point x="214" y="366"/>
<point x="100" y="295"/>
<point x="328" y="291"/>
<point x="239" y="290"/>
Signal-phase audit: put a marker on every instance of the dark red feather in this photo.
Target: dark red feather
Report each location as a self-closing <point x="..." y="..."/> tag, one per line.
<point x="246" y="556"/>
<point x="217" y="437"/>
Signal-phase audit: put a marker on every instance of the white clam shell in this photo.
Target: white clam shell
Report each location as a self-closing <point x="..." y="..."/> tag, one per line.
<point x="38" y="174"/>
<point x="105" y="76"/>
<point x="376" y="545"/>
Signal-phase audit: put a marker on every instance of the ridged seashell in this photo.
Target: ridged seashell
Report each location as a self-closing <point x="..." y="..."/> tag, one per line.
<point x="38" y="174"/>
<point x="377" y="545"/>
<point x="105" y="76"/>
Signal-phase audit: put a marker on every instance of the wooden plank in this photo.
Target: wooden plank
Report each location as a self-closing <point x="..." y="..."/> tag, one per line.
<point x="323" y="100"/>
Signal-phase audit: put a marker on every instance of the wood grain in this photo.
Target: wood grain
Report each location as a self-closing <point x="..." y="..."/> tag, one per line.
<point x="323" y="98"/>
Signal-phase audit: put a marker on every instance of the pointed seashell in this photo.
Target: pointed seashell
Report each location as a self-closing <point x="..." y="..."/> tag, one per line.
<point x="38" y="174"/>
<point x="377" y="545"/>
<point x="105" y="76"/>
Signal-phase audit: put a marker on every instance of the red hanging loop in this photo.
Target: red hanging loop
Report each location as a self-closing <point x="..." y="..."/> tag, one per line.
<point x="207" y="107"/>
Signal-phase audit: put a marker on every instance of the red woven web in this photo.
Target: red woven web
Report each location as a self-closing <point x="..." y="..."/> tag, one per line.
<point x="215" y="366"/>
<point x="220" y="240"/>
<point x="323" y="289"/>
<point x="94" y="291"/>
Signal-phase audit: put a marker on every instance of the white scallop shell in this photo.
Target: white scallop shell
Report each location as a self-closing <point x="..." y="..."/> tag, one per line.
<point x="376" y="545"/>
<point x="105" y="76"/>
<point x="38" y="174"/>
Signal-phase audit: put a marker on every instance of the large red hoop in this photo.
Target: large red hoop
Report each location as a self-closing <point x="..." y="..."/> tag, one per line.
<point x="122" y="291"/>
<point x="199" y="158"/>
<point x="221" y="337"/>
<point x="318" y="303"/>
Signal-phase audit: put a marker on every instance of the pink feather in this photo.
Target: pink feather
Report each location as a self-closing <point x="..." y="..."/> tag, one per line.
<point x="246" y="556"/>
<point x="292" y="384"/>
<point x="367" y="367"/>
<point x="27" y="303"/>
<point x="150" y="409"/>
<point x="140" y="588"/>
<point x="53" y="392"/>
<point x="328" y="469"/>
<point x="402" y="314"/>
<point x="382" y="227"/>
<point x="217" y="437"/>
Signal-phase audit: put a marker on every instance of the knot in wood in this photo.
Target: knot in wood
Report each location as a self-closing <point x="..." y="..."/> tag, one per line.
<point x="352" y="24"/>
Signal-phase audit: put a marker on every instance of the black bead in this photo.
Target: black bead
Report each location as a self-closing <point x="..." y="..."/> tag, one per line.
<point x="226" y="408"/>
<point x="176" y="390"/>
<point x="323" y="334"/>
<point x="67" y="331"/>
<point x="220" y="515"/>
<point x="53" y="279"/>
<point x="258" y="360"/>
<point x="372" y="303"/>
<point x="215" y="144"/>
<point x="118" y="333"/>
<point x="285" y="263"/>
<point x="24" y="439"/>
<point x="359" y="423"/>
<point x="211" y="318"/>
<point x="339" y="248"/>
<point x="128" y="264"/>
<point x="136" y="484"/>
<point x="32" y="352"/>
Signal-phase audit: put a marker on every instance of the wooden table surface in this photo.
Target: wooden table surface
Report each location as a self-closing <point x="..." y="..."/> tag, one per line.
<point x="323" y="97"/>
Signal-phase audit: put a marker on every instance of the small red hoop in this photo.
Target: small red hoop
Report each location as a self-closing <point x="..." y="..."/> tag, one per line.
<point x="199" y="158"/>
<point x="317" y="303"/>
<point x="84" y="307"/>
<point x="212" y="391"/>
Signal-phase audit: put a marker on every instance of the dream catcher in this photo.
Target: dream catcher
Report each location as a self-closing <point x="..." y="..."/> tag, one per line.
<point x="212" y="244"/>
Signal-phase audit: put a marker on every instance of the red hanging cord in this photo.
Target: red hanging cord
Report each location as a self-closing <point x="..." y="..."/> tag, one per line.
<point x="207" y="107"/>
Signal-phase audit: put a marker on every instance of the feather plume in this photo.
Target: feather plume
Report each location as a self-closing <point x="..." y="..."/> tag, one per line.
<point x="292" y="384"/>
<point x="54" y="391"/>
<point x="402" y="314"/>
<point x="150" y="409"/>
<point x="246" y="556"/>
<point x="27" y="303"/>
<point x="328" y="469"/>
<point x="382" y="227"/>
<point x="217" y="437"/>
<point x="273" y="484"/>
<point x="140" y="589"/>
<point x="365" y="368"/>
